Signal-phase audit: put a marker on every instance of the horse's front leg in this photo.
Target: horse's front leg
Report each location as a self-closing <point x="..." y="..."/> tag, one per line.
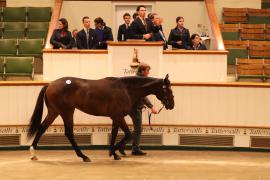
<point x="114" y="133"/>
<point x="122" y="144"/>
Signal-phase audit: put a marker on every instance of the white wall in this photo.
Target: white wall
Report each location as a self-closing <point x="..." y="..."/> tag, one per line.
<point x="194" y="105"/>
<point x="32" y="3"/>
<point x="219" y="4"/>
<point x="73" y="11"/>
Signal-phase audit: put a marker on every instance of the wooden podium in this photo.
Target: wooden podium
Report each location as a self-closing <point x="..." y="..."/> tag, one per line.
<point x="122" y="54"/>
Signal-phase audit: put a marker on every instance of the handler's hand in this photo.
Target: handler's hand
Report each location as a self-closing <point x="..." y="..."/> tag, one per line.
<point x="154" y="111"/>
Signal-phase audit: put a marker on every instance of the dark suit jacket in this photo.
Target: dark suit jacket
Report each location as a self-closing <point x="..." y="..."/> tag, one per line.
<point x="123" y="33"/>
<point x="158" y="37"/>
<point x="177" y="35"/>
<point x="107" y="36"/>
<point x="137" y="28"/>
<point x="57" y="41"/>
<point x="82" y="39"/>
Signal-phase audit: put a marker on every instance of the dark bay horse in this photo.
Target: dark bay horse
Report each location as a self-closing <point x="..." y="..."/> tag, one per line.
<point x="112" y="97"/>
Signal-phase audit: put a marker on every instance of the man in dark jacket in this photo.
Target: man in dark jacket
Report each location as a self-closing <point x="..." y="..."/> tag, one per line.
<point x="158" y="35"/>
<point x="103" y="33"/>
<point x="123" y="30"/>
<point x="86" y="38"/>
<point x="141" y="27"/>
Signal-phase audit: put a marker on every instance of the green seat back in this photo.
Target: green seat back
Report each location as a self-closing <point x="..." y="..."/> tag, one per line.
<point x="30" y="47"/>
<point x="236" y="53"/>
<point x="14" y="30"/>
<point x="2" y="64"/>
<point x="19" y="65"/>
<point x="37" y="29"/>
<point x="265" y="5"/>
<point x="1" y="29"/>
<point x="14" y="14"/>
<point x="258" y="20"/>
<point x="8" y="47"/>
<point x="230" y="35"/>
<point x="36" y="14"/>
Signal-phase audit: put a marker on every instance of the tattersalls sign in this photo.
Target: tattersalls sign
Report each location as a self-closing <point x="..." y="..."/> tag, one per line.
<point x="169" y="134"/>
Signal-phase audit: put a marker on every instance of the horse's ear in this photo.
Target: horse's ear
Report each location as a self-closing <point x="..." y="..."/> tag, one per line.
<point x="166" y="80"/>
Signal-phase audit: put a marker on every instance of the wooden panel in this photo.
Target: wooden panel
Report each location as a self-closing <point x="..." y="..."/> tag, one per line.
<point x="234" y="9"/>
<point x="259" y="142"/>
<point x="10" y="140"/>
<point x="206" y="140"/>
<point x="225" y="26"/>
<point x="230" y="29"/>
<point x="61" y="139"/>
<point x="214" y="24"/>
<point x="54" y="19"/>
<point x="252" y="26"/>
<point x="234" y="14"/>
<point x="135" y="43"/>
<point x="252" y="31"/>
<point x="252" y="36"/>
<point x="235" y="19"/>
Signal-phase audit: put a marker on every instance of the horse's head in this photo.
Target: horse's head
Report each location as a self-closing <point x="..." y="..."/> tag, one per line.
<point x="165" y="94"/>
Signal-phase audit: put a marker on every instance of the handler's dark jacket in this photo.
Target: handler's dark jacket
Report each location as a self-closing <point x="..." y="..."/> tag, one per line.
<point x="143" y="101"/>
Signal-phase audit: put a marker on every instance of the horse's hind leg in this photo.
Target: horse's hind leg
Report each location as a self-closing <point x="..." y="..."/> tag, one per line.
<point x="43" y="127"/>
<point x="114" y="133"/>
<point x="68" y="122"/>
<point x="121" y="145"/>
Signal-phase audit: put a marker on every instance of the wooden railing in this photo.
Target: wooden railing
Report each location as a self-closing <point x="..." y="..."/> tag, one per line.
<point x="54" y="19"/>
<point x="218" y="40"/>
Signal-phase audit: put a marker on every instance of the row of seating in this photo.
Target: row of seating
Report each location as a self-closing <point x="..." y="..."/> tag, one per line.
<point x="265" y="4"/>
<point x="246" y="49"/>
<point x="16" y="66"/>
<point x="21" y="47"/>
<point x="22" y="14"/>
<point x="252" y="68"/>
<point x="23" y="29"/>
<point x="246" y="15"/>
<point x="245" y="31"/>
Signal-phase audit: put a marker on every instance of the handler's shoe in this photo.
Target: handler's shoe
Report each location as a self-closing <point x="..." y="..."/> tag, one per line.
<point x="138" y="153"/>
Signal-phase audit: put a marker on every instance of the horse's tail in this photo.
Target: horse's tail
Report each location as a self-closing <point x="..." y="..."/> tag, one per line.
<point x="37" y="114"/>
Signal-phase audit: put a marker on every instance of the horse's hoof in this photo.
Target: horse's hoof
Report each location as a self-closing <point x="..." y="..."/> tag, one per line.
<point x="122" y="151"/>
<point x="34" y="158"/>
<point x="86" y="159"/>
<point x="110" y="153"/>
<point x="116" y="157"/>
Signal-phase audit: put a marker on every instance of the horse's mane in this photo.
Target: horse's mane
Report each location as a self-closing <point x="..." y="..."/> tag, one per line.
<point x="138" y="80"/>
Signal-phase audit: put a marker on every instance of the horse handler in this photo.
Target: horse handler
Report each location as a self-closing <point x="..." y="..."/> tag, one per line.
<point x="136" y="113"/>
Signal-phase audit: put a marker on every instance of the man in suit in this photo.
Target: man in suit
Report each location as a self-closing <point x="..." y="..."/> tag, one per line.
<point x="141" y="27"/>
<point x="158" y="35"/>
<point x="103" y="33"/>
<point x="124" y="28"/>
<point x="86" y="38"/>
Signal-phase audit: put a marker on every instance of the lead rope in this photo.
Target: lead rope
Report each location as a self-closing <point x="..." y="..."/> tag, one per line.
<point x="150" y="114"/>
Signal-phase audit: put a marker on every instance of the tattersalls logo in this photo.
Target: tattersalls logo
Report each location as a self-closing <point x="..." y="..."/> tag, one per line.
<point x="134" y="63"/>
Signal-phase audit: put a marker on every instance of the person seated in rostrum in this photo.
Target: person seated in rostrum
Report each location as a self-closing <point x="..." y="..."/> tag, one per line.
<point x="196" y="43"/>
<point x="61" y="37"/>
<point x="103" y="33"/>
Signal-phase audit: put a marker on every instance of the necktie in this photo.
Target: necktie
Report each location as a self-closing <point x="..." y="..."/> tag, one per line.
<point x="87" y="38"/>
<point x="145" y="25"/>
